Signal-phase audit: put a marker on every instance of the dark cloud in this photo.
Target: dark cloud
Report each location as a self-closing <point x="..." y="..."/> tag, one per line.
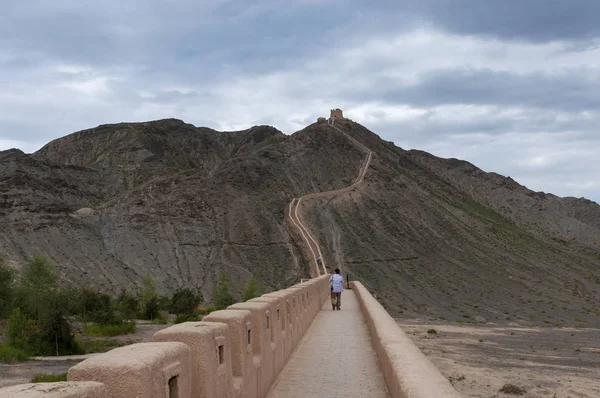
<point x="573" y="90"/>
<point x="533" y="20"/>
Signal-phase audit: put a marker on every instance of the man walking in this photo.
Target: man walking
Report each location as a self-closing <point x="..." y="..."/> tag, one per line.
<point x="337" y="287"/>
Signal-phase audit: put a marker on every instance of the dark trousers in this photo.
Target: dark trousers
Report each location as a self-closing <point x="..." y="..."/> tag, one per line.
<point x="337" y="296"/>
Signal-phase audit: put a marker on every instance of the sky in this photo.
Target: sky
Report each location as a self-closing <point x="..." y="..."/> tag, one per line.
<point x="512" y="86"/>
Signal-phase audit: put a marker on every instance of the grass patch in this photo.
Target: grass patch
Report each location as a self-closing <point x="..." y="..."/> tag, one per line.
<point x="512" y="389"/>
<point x="187" y="318"/>
<point x="49" y="377"/>
<point x="110" y="330"/>
<point x="10" y="354"/>
<point x="97" y="346"/>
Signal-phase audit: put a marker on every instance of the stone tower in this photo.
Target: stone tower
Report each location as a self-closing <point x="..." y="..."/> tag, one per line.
<point x="336" y="114"/>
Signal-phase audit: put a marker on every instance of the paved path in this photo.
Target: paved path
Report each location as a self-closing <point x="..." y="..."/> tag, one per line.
<point x="335" y="358"/>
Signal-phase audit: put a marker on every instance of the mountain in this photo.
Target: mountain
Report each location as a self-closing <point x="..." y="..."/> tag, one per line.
<point x="430" y="236"/>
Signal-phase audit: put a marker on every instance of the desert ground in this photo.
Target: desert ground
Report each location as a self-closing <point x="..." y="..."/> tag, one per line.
<point x="480" y="359"/>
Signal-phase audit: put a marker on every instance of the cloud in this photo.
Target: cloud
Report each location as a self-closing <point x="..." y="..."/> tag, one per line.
<point x="531" y="20"/>
<point x="511" y="86"/>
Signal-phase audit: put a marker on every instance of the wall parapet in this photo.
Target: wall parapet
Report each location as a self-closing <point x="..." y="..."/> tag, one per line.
<point x="407" y="372"/>
<point x="233" y="353"/>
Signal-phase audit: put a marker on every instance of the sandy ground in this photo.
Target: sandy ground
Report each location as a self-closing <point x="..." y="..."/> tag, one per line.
<point x="23" y="372"/>
<point x="480" y="359"/>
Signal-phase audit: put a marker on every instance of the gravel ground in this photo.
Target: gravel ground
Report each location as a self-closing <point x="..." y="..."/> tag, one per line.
<point x="480" y="359"/>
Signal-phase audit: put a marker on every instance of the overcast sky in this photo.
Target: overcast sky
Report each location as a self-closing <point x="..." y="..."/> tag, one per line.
<point x="513" y="86"/>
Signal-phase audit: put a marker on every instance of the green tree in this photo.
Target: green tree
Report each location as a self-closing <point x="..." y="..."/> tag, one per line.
<point x="128" y="305"/>
<point x="148" y="298"/>
<point x="40" y="299"/>
<point x="97" y="307"/>
<point x="184" y="302"/>
<point x="37" y="290"/>
<point x="148" y="291"/>
<point x="250" y="290"/>
<point x="7" y="283"/>
<point x="151" y="309"/>
<point x="164" y="302"/>
<point x="222" y="297"/>
<point x="21" y="331"/>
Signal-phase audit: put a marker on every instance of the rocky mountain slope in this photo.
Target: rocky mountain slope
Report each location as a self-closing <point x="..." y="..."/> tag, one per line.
<point x="435" y="237"/>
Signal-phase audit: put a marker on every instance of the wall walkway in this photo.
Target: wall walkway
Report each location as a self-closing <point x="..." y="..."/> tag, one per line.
<point x="334" y="359"/>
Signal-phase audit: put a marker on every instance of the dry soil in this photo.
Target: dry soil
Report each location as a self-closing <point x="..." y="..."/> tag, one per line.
<point x="480" y="359"/>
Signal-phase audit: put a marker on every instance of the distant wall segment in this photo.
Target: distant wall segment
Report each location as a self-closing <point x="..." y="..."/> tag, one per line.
<point x="233" y="353"/>
<point x="407" y="372"/>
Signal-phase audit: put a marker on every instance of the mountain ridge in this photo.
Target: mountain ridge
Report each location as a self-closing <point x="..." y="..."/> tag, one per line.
<point x="187" y="204"/>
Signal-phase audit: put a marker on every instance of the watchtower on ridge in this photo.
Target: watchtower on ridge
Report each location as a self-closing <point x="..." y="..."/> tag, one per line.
<point x="336" y="114"/>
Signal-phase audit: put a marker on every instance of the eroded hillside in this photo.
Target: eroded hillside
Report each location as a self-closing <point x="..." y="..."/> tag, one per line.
<point x="185" y="205"/>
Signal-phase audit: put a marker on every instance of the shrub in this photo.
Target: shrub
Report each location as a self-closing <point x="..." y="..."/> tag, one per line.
<point x="49" y="377"/>
<point x="10" y="354"/>
<point x="110" y="330"/>
<point x="432" y="331"/>
<point x="184" y="301"/>
<point x="160" y="319"/>
<point x="95" y="346"/>
<point x="512" y="389"/>
<point x="187" y="318"/>
<point x="206" y="310"/>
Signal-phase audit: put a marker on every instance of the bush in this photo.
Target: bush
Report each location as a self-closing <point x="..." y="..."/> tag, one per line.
<point x="96" y="346"/>
<point x="110" y="330"/>
<point x="432" y="331"/>
<point x="184" y="301"/>
<point x="187" y="318"/>
<point x="206" y="310"/>
<point x="49" y="377"/>
<point x="160" y="319"/>
<point x="10" y="354"/>
<point x="512" y="389"/>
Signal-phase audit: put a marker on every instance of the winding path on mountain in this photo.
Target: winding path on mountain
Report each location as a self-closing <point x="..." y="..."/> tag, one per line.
<point x="294" y="206"/>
